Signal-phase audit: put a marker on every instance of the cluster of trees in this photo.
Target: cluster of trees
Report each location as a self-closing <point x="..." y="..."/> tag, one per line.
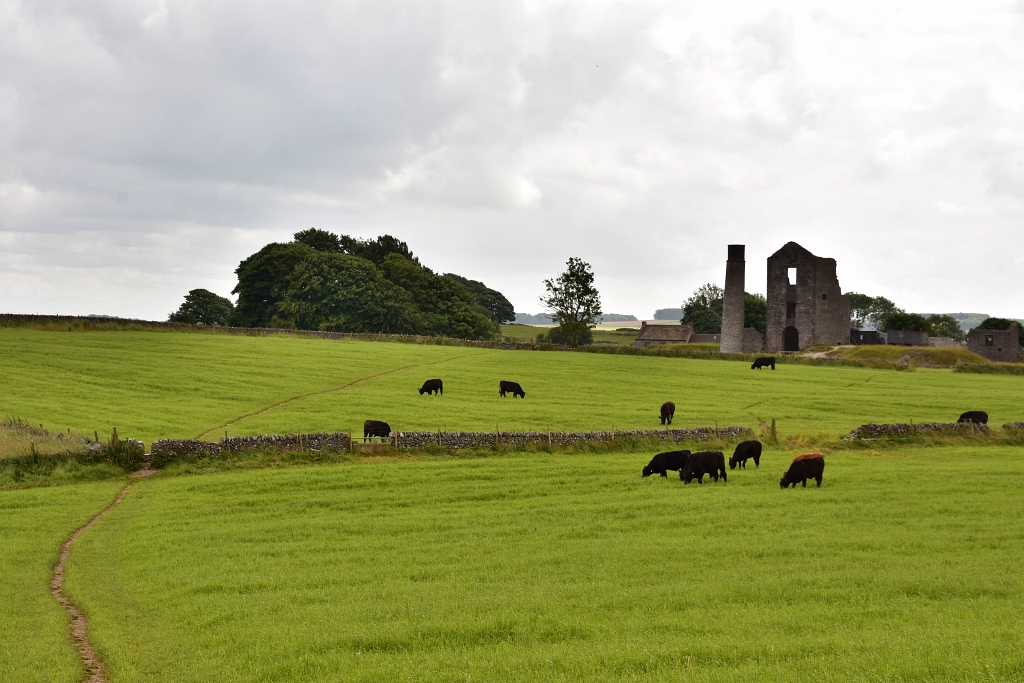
<point x="323" y="281"/>
<point x="704" y="310"/>
<point x="203" y="307"/>
<point x="881" y="314"/>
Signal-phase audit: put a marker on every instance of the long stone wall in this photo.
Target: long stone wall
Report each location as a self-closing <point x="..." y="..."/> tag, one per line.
<point x="166" y="451"/>
<point x="875" y="431"/>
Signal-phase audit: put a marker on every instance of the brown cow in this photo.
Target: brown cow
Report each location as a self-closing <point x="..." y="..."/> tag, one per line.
<point x="668" y="411"/>
<point x="803" y="467"/>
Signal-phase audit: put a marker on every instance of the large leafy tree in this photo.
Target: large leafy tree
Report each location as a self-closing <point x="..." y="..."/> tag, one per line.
<point x="572" y="299"/>
<point x="870" y="311"/>
<point x="947" y="326"/>
<point x="906" y="321"/>
<point x="204" y="307"/>
<point x="447" y="308"/>
<point x="755" y="312"/>
<point x="343" y="293"/>
<point x="263" y="279"/>
<point x="498" y="307"/>
<point x="704" y="309"/>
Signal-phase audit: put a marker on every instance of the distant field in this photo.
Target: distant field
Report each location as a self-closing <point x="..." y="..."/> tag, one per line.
<point x="33" y="628"/>
<point x="166" y="384"/>
<point x="607" y="335"/>
<point x="902" y="567"/>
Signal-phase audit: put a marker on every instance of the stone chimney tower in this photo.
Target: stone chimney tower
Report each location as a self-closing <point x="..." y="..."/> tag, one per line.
<point x="732" y="302"/>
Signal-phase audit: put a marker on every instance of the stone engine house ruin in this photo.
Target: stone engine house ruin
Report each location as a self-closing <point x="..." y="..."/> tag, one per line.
<point x="805" y="304"/>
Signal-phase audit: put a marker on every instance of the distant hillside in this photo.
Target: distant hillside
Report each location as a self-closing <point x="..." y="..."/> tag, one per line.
<point x="616" y="318"/>
<point x="530" y="319"/>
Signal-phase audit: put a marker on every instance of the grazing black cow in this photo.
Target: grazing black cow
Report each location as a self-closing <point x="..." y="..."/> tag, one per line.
<point x="745" y="450"/>
<point x="978" y="417"/>
<point x="431" y="386"/>
<point x="372" y="428"/>
<point x="763" y="362"/>
<point x="668" y="411"/>
<point x="706" y="462"/>
<point x="513" y="387"/>
<point x="803" y="467"/>
<point x="663" y="462"/>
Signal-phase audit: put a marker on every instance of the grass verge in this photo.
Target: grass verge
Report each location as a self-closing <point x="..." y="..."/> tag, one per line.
<point x="903" y="566"/>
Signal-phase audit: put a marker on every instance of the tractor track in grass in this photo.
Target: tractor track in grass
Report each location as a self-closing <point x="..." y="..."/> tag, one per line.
<point x="320" y="391"/>
<point x="94" y="672"/>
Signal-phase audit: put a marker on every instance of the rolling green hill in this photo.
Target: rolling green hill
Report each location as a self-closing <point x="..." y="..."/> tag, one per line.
<point x="170" y="384"/>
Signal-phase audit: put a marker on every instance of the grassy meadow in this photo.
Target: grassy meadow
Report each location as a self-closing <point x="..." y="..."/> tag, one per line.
<point x="902" y="566"/>
<point x="33" y="628"/>
<point x="172" y="384"/>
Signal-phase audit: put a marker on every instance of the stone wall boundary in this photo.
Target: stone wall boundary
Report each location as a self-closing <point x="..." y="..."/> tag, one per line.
<point x="166" y="451"/>
<point x="878" y="431"/>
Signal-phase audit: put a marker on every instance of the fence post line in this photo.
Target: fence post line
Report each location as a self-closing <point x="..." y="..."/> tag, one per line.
<point x="549" y="436"/>
<point x="775" y="438"/>
<point x="351" y="446"/>
<point x="496" y="436"/>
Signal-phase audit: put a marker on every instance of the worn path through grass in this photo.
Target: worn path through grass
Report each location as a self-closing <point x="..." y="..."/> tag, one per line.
<point x="33" y="628"/>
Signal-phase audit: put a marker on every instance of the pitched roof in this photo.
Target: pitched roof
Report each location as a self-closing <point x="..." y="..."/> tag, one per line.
<point x="666" y="333"/>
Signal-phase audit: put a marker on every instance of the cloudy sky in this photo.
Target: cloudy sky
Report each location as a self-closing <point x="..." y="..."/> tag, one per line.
<point x="146" y="147"/>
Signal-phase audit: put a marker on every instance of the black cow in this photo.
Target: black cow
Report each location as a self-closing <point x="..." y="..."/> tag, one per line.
<point x="803" y="467"/>
<point x="668" y="411"/>
<point x="745" y="450"/>
<point x="706" y="462"/>
<point x="431" y="386"/>
<point x="978" y="417"/>
<point x="663" y="462"/>
<point x="513" y="387"/>
<point x="763" y="362"/>
<point x="373" y="428"/>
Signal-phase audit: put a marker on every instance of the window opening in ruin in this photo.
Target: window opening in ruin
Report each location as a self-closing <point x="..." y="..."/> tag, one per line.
<point x="824" y="296"/>
<point x="990" y="340"/>
<point x="791" y="276"/>
<point x="791" y="309"/>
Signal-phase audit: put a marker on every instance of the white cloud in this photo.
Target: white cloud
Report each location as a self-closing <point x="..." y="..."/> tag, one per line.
<point x="146" y="149"/>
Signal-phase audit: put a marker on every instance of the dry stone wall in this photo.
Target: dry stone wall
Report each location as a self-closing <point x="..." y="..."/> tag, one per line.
<point x="166" y="451"/>
<point x="875" y="431"/>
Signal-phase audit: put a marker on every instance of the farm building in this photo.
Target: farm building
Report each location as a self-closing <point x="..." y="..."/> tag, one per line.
<point x="906" y="338"/>
<point x="805" y="304"/>
<point x="671" y="334"/>
<point x="1000" y="345"/>
<point x="864" y="337"/>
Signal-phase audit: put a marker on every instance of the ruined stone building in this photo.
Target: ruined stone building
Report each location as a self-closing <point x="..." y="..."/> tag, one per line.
<point x="805" y="304"/>
<point x="1001" y="345"/>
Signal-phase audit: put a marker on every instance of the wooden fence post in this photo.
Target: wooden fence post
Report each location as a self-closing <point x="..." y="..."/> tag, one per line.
<point x="496" y="437"/>
<point x="351" y="446"/>
<point x="775" y="436"/>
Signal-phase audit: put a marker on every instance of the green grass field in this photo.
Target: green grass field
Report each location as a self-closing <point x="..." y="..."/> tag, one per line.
<point x="33" y="628"/>
<point x="170" y="384"/>
<point x="902" y="567"/>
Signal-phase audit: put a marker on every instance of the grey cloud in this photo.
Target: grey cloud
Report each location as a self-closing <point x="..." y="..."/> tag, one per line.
<point x="146" y="148"/>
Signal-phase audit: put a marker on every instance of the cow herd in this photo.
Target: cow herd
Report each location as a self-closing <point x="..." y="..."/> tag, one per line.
<point x="712" y="463"/>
